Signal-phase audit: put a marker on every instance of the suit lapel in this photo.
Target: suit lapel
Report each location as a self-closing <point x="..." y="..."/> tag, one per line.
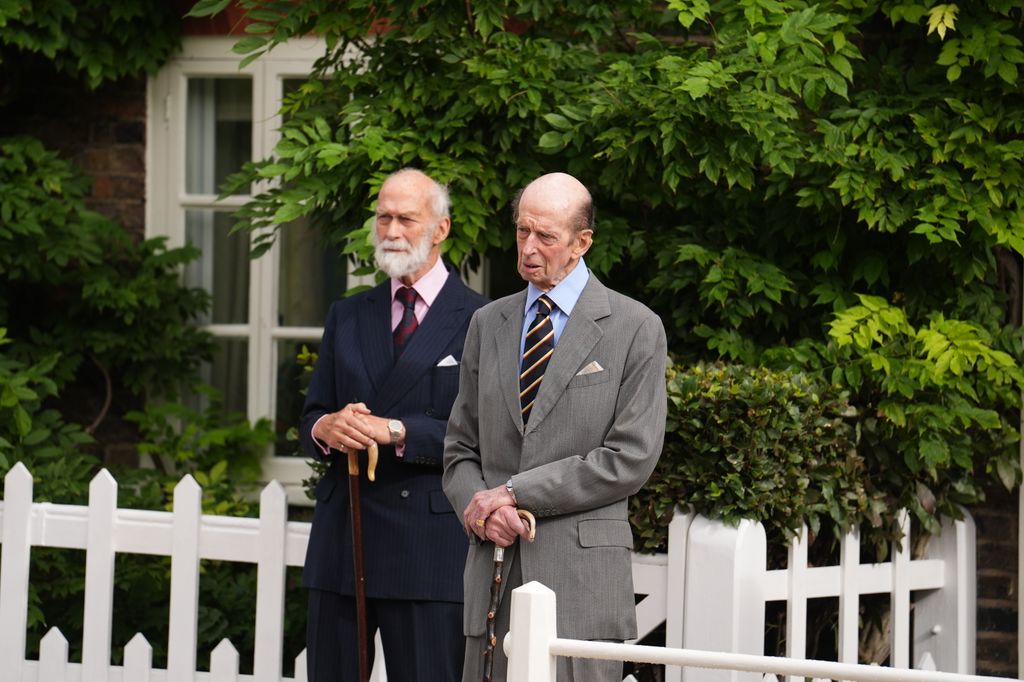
<point x="578" y="338"/>
<point x="374" y="334"/>
<point x="507" y="337"/>
<point x="432" y="335"/>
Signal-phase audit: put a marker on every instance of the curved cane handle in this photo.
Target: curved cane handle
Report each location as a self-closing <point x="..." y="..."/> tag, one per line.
<point x="531" y="522"/>
<point x="353" y="462"/>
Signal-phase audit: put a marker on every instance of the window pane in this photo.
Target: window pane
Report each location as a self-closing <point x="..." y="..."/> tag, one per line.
<point x="218" y="131"/>
<point x="223" y="267"/>
<point x="228" y="373"/>
<point x="292" y="380"/>
<point x="312" y="275"/>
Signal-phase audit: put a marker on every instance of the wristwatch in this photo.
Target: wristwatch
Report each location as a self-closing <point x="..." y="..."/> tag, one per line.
<point x="396" y="429"/>
<point x="511" y="491"/>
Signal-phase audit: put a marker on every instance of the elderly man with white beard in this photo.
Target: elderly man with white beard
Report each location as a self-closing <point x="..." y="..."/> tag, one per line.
<point x="388" y="373"/>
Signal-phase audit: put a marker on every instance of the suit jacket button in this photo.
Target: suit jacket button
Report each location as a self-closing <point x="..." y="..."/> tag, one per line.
<point x="430" y="412"/>
<point x="404" y="494"/>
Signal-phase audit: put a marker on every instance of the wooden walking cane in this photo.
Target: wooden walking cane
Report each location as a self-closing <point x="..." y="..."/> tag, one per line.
<point x="492" y="610"/>
<point x="355" y="507"/>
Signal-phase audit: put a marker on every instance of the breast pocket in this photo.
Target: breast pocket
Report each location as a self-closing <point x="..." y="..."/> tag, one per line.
<point x="592" y="379"/>
<point x="444" y="386"/>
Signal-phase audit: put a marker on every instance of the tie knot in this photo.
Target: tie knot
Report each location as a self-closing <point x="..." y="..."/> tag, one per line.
<point x="406" y="296"/>
<point x="544" y="305"/>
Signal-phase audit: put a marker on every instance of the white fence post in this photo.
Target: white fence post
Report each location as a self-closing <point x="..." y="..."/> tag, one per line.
<point x="224" y="662"/>
<point x="184" y="612"/>
<point x="138" y="659"/>
<point x="14" y="563"/>
<point x="98" y="617"/>
<point x="300" y="667"/>
<point x="945" y="619"/>
<point x="796" y="605"/>
<point x="270" y="581"/>
<point x="675" y="597"/>
<point x="53" y="657"/>
<point x="531" y="629"/>
<point x="849" y="595"/>
<point x="899" y="636"/>
<point x="724" y="597"/>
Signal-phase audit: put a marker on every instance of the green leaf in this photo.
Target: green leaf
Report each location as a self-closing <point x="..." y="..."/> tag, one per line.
<point x="551" y="141"/>
<point x="558" y="122"/>
<point x="207" y="8"/>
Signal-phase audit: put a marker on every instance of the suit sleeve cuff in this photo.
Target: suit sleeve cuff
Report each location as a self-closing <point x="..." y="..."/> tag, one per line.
<point x="319" y="443"/>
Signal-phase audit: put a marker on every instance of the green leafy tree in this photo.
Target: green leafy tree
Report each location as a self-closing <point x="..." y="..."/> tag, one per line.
<point x="827" y="187"/>
<point x="91" y="41"/>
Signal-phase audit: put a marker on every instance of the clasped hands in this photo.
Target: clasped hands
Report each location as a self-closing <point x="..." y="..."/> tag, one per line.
<point x="491" y="515"/>
<point x="352" y="428"/>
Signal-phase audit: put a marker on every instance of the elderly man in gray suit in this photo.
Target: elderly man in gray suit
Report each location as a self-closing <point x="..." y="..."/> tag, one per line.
<point x="561" y="411"/>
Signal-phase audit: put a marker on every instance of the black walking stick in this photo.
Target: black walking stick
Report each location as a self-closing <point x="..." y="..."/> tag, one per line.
<point x="355" y="507"/>
<point x="492" y="610"/>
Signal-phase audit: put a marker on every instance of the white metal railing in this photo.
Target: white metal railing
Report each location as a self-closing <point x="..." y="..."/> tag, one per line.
<point x="714" y="603"/>
<point x="532" y="646"/>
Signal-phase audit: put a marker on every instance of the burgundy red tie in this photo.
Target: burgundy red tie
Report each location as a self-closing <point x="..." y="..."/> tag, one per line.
<point x="407" y="325"/>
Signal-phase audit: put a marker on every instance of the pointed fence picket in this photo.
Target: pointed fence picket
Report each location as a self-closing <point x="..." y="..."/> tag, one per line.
<point x="709" y="591"/>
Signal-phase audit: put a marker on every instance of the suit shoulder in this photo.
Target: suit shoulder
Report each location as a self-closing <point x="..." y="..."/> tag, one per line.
<point x="631" y="308"/>
<point x="351" y="302"/>
<point x="468" y="296"/>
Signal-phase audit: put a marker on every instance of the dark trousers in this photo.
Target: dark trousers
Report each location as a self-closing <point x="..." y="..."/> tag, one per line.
<point x="422" y="640"/>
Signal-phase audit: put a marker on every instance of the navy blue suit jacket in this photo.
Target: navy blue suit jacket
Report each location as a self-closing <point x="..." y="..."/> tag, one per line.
<point x="413" y="542"/>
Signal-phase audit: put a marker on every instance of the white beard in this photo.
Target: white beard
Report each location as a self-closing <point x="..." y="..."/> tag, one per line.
<point x="409" y="260"/>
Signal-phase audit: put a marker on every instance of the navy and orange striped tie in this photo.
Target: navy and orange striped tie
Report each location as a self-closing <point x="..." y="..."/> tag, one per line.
<point x="540" y="344"/>
<point x="407" y="325"/>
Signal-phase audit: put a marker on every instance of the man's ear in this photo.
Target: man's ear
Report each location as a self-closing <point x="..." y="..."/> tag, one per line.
<point x="444" y="226"/>
<point x="583" y="239"/>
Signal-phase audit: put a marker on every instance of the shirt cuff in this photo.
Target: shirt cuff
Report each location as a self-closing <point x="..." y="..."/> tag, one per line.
<point x="319" y="443"/>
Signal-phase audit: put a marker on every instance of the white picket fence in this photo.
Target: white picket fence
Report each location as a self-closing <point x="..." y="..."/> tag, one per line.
<point x="713" y="602"/>
<point x="711" y="589"/>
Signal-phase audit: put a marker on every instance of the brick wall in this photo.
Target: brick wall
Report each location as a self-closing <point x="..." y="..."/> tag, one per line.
<point x="103" y="132"/>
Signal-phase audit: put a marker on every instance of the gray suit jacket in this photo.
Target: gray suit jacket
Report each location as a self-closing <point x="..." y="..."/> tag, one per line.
<point x="591" y="441"/>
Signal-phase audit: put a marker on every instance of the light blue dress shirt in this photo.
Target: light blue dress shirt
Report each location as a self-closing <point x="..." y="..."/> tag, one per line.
<point x="565" y="295"/>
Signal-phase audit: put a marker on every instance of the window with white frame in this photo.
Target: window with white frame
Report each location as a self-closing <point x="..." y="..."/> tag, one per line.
<point x="206" y="118"/>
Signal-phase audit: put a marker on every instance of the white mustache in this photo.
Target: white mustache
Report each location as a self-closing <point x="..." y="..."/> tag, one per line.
<point x="396" y="244"/>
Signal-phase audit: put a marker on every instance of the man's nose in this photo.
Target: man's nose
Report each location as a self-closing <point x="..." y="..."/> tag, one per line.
<point x="530" y="244"/>
<point x="392" y="230"/>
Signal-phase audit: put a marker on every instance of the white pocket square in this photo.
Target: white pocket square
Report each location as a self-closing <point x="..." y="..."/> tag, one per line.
<point x="591" y="368"/>
<point x="448" y="361"/>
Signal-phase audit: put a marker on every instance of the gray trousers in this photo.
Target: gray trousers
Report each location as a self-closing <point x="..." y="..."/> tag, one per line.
<point x="567" y="669"/>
